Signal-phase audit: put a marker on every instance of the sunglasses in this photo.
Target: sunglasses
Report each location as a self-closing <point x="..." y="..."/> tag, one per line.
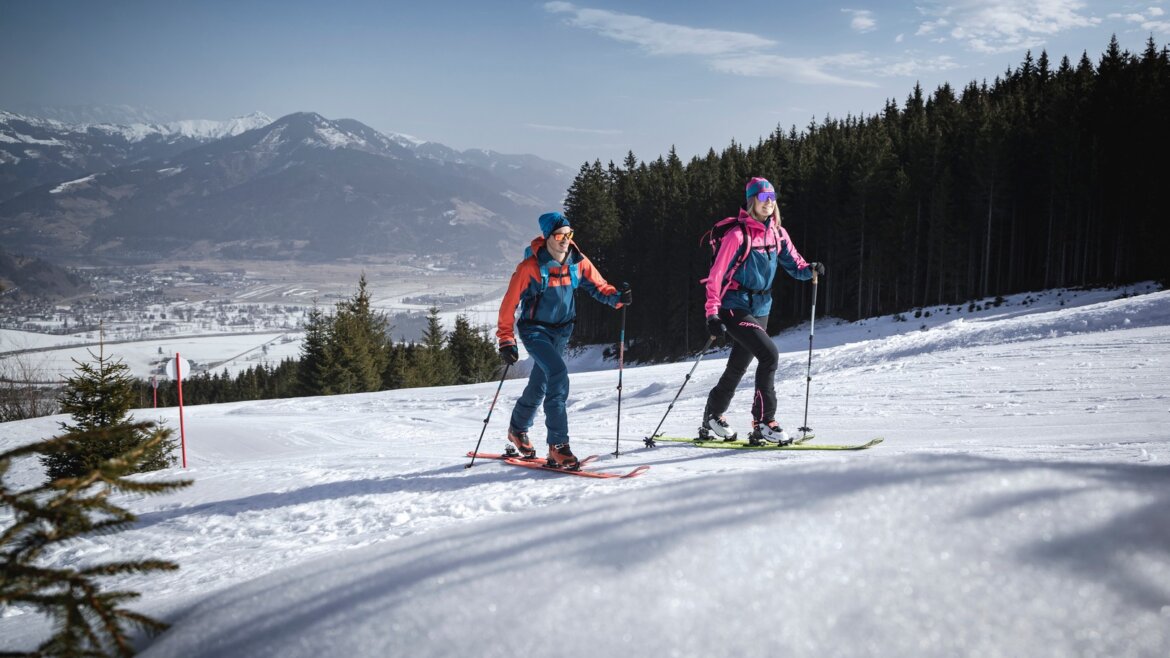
<point x="561" y="237"/>
<point x="766" y="196"/>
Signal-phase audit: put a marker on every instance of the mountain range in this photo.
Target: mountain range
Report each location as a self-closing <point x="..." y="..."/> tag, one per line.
<point x="299" y="187"/>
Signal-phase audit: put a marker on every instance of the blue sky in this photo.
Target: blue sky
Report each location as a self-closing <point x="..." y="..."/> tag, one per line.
<point x="572" y="82"/>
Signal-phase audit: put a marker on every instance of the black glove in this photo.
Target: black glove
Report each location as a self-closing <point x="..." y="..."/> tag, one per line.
<point x="509" y="354"/>
<point x="627" y="295"/>
<point x="819" y="268"/>
<point x="714" y="326"/>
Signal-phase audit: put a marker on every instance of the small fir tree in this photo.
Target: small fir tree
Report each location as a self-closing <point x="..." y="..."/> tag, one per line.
<point x="87" y="620"/>
<point x="98" y="397"/>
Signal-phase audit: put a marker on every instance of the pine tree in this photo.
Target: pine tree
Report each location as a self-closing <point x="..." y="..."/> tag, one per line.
<point x="89" y="621"/>
<point x="473" y="353"/>
<point x="432" y="364"/>
<point x="359" y="349"/>
<point x="314" y="361"/>
<point x="98" y="397"/>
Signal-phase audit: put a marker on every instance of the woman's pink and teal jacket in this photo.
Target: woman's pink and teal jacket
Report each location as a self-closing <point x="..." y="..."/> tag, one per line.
<point x="748" y="286"/>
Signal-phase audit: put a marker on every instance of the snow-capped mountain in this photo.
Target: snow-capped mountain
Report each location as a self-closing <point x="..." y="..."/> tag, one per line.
<point x="94" y="113"/>
<point x="36" y="151"/>
<point x="302" y="186"/>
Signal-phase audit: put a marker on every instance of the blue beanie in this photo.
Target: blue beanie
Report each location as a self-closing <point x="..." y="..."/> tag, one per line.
<point x="551" y="221"/>
<point x="755" y="186"/>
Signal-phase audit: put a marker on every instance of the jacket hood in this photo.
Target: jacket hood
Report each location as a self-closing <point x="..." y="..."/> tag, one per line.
<point x="747" y="218"/>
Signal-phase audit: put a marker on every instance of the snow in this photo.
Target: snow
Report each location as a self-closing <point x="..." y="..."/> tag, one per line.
<point x="19" y="138"/>
<point x="334" y="138"/>
<point x="68" y="185"/>
<point x="233" y="353"/>
<point x="201" y="129"/>
<point x="405" y="140"/>
<point x="1018" y="506"/>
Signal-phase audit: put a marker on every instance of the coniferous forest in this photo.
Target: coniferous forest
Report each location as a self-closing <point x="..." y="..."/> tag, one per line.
<point x="348" y="350"/>
<point x="1050" y="176"/>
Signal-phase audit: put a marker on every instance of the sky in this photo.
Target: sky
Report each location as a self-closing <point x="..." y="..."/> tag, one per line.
<point x="1019" y="505"/>
<point x="569" y="81"/>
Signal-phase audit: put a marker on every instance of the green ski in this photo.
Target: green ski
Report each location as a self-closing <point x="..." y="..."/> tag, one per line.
<point x="743" y="445"/>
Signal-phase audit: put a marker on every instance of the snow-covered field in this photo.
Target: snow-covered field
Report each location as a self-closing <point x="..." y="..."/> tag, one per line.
<point x="1019" y="506"/>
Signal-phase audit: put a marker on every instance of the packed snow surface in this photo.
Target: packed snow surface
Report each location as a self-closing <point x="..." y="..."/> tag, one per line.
<point x="1019" y="506"/>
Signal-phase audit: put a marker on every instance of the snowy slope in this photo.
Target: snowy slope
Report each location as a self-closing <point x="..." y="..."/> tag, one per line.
<point x="1020" y="505"/>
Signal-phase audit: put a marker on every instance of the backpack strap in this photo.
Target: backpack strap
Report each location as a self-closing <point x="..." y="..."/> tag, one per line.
<point x="574" y="276"/>
<point x="741" y="256"/>
<point x="574" y="271"/>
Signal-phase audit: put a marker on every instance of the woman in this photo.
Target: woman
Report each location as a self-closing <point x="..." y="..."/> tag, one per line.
<point x="543" y="286"/>
<point x="739" y="298"/>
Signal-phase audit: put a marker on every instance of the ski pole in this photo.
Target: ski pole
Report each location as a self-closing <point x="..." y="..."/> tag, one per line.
<point x="489" y="415"/>
<point x="649" y="441"/>
<point x="805" y="429"/>
<point x="621" y="366"/>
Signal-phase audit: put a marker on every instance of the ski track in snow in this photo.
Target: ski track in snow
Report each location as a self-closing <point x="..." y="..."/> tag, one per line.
<point x="1023" y="476"/>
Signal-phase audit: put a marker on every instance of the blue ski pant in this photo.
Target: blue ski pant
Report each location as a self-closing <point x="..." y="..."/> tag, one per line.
<point x="548" y="383"/>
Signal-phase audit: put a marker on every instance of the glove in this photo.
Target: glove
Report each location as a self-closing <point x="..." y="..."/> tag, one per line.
<point x="509" y="354"/>
<point x="714" y="326"/>
<point x="819" y="268"/>
<point x="627" y="295"/>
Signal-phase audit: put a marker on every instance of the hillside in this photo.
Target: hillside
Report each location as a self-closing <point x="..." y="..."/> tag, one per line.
<point x="1018" y="506"/>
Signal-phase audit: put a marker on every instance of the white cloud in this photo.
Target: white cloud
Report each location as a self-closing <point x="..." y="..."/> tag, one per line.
<point x="995" y="26"/>
<point x="862" y="21"/>
<point x="738" y="53"/>
<point x="928" y="27"/>
<point x="658" y="38"/>
<point x="899" y="38"/>
<point x="816" y="70"/>
<point x="912" y="67"/>
<point x="1146" y="20"/>
<point x="797" y="69"/>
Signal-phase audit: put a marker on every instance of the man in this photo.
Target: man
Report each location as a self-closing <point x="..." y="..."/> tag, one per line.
<point x="543" y="286"/>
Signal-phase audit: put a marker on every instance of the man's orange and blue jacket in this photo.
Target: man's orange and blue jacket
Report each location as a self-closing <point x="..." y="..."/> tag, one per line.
<point x="550" y="304"/>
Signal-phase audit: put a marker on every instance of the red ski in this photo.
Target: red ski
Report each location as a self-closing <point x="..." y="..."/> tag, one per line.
<point x="538" y="463"/>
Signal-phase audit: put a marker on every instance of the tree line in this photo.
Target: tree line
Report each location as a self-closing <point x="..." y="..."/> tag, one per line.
<point x="349" y="350"/>
<point x="1048" y="177"/>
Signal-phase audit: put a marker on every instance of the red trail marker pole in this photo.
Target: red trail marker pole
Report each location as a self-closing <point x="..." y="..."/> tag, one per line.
<point x="182" y="430"/>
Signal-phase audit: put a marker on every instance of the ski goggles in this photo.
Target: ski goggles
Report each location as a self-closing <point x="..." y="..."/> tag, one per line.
<point x="766" y="196"/>
<point x="561" y="237"/>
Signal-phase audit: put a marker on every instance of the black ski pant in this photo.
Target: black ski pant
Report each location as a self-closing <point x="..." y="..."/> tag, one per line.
<point x="749" y="340"/>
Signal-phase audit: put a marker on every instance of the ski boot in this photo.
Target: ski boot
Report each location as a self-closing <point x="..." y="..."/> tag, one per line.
<point x="560" y="456"/>
<point x="715" y="428"/>
<point x="770" y="432"/>
<point x="522" y="444"/>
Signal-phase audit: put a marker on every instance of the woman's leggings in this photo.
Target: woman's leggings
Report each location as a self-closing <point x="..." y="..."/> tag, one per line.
<point x="749" y="340"/>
